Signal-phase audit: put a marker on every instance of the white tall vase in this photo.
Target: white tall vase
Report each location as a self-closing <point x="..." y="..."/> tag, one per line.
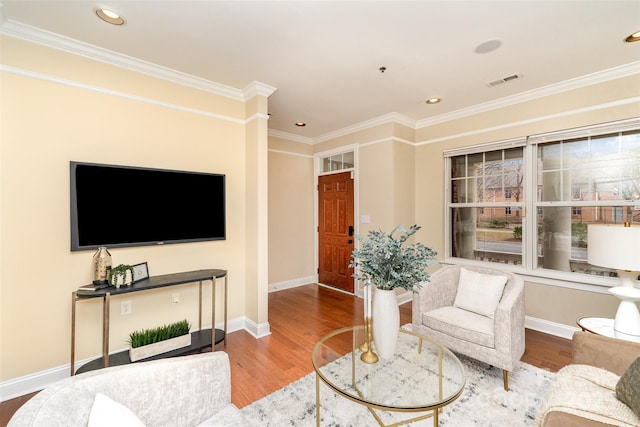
<point x="385" y="315"/>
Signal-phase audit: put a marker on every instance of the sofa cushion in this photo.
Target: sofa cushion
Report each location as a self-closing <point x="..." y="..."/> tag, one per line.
<point x="461" y="324"/>
<point x="479" y="293"/>
<point x="627" y="389"/>
<point x="106" y="412"/>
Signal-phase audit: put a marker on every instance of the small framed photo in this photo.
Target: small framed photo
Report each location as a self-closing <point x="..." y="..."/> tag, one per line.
<point x="140" y="272"/>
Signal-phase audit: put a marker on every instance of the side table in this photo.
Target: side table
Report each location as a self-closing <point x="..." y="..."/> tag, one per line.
<point x="604" y="326"/>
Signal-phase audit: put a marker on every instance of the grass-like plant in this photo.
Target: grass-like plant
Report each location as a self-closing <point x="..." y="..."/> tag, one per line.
<point x="383" y="260"/>
<point x="161" y="333"/>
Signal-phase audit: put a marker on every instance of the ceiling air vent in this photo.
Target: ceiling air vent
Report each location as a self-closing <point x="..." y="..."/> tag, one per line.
<point x="503" y="80"/>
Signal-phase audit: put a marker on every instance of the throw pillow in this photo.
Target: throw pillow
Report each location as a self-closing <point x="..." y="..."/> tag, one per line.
<point x="106" y="412"/>
<point x="479" y="293"/>
<point x="627" y="390"/>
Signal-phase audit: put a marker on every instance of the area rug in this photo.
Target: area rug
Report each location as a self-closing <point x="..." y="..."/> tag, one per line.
<point x="482" y="403"/>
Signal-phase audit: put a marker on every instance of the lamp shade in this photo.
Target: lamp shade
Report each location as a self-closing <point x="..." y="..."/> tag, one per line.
<point x="614" y="246"/>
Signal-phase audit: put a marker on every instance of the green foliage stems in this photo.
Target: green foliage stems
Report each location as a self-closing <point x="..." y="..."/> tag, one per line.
<point x="161" y="333"/>
<point x="383" y="261"/>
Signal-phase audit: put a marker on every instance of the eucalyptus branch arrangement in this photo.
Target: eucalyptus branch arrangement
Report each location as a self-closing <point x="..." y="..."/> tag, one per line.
<point x="383" y="260"/>
<point x="161" y="333"/>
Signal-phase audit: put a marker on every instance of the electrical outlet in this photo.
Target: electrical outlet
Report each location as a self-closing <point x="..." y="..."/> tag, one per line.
<point x="125" y="307"/>
<point x="175" y="298"/>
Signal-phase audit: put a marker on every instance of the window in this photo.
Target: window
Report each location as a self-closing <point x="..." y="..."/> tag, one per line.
<point x="338" y="162"/>
<point x="482" y="224"/>
<point x="576" y="178"/>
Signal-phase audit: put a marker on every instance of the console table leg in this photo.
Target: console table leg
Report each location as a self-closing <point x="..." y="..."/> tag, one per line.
<point x="105" y="328"/>
<point x="73" y="332"/>
<point x="213" y="314"/>
<point x="225" y="309"/>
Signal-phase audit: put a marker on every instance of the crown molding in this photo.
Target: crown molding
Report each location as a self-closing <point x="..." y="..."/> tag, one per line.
<point x="290" y="137"/>
<point x="36" y="35"/>
<point x="367" y="124"/>
<point x="258" y="89"/>
<point x="576" y="83"/>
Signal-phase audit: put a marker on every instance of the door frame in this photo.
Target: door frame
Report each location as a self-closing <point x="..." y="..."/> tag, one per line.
<point x="317" y="171"/>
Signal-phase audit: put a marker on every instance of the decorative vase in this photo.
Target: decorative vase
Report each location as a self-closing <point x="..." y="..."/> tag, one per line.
<point x="101" y="266"/>
<point x="385" y="315"/>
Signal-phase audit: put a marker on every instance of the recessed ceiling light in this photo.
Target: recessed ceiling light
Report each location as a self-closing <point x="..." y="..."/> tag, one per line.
<point x="433" y="100"/>
<point x="633" y="37"/>
<point x="301" y="124"/>
<point x="109" y="16"/>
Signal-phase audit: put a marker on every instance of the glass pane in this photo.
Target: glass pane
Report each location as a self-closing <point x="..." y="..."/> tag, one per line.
<point x="562" y="234"/>
<point x="457" y="190"/>
<point x="336" y="162"/>
<point x="550" y="188"/>
<point x="603" y="148"/>
<point x="487" y="234"/>
<point x="514" y="179"/>
<point x="550" y="155"/>
<point x="326" y="164"/>
<point x="347" y="160"/>
<point x="458" y="168"/>
<point x="575" y="153"/>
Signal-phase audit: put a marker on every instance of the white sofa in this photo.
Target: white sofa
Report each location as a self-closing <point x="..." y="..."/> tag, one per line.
<point x="183" y="391"/>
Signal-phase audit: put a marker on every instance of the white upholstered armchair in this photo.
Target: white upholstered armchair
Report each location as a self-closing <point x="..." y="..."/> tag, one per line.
<point x="478" y="312"/>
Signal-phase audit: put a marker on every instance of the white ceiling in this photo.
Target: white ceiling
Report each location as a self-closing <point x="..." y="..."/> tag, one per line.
<point x="323" y="57"/>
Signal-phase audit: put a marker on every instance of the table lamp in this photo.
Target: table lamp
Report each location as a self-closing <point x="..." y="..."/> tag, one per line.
<point x="618" y="247"/>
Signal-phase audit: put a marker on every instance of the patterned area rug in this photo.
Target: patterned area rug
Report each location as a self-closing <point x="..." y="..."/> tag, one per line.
<point x="482" y="403"/>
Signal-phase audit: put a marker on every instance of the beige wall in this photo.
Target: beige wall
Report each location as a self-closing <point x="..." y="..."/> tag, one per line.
<point x="291" y="217"/>
<point x="58" y="107"/>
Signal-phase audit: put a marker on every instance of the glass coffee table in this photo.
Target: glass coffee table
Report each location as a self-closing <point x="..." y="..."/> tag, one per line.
<point x="421" y="377"/>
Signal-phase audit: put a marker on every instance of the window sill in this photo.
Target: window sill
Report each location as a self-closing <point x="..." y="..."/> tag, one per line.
<point x="583" y="282"/>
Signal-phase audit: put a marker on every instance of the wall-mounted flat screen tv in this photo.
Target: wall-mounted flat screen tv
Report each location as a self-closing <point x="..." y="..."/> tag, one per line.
<point x="121" y="206"/>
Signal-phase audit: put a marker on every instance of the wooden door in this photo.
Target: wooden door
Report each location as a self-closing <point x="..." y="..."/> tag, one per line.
<point x="335" y="230"/>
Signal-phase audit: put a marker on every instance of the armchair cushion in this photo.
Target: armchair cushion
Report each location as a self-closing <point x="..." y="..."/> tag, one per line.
<point x="461" y="324"/>
<point x="479" y="293"/>
<point x="627" y="389"/>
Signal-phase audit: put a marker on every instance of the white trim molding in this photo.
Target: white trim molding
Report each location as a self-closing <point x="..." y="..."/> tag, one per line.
<point x="45" y="38"/>
<point x="294" y="283"/>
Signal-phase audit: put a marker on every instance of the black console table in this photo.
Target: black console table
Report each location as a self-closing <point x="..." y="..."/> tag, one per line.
<point x="199" y="339"/>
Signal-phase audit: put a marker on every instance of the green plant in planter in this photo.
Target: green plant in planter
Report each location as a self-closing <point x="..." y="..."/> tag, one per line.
<point x="383" y="260"/>
<point x="120" y="270"/>
<point x="149" y="336"/>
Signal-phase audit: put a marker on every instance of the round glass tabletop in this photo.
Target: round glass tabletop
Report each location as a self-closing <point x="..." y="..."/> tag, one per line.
<point x="422" y="375"/>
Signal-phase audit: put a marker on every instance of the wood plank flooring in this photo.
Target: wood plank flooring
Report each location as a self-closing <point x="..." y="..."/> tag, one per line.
<point x="298" y="317"/>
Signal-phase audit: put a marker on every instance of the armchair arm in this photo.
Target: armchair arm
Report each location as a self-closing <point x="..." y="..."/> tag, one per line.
<point x="440" y="291"/>
<point x="612" y="354"/>
<point x="509" y="321"/>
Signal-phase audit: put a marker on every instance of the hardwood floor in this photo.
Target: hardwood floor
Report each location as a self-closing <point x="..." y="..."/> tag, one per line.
<point x="298" y="318"/>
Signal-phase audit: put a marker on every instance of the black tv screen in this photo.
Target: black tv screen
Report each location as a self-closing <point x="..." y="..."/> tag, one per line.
<point x="120" y="206"/>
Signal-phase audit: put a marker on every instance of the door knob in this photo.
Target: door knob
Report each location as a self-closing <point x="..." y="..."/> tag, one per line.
<point x="350" y="241"/>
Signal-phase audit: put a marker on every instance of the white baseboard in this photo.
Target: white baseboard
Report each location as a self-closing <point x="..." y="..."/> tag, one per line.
<point x="288" y="284"/>
<point x="39" y="380"/>
<point x="552" y="328"/>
